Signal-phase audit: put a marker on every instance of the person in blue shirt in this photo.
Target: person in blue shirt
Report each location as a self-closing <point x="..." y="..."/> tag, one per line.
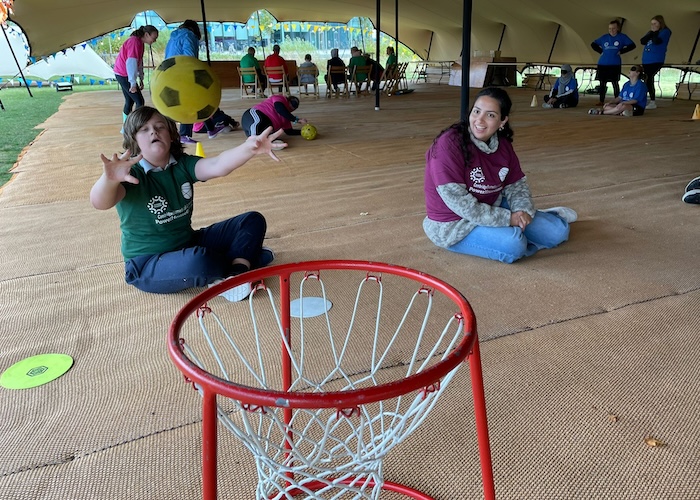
<point x="564" y="93"/>
<point x="632" y="99"/>
<point x="655" y="44"/>
<point x="184" y="41"/>
<point x="610" y="46"/>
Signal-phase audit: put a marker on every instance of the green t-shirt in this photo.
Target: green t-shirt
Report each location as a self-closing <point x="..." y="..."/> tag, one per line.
<point x="156" y="213"/>
<point x="248" y="61"/>
<point x="358" y="61"/>
<point x="390" y="60"/>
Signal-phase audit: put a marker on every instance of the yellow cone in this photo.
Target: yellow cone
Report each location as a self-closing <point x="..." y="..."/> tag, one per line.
<point x="533" y="104"/>
<point x="696" y="113"/>
<point x="199" y="150"/>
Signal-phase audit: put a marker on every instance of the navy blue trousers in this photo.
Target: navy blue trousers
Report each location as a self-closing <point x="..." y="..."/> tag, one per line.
<point x="207" y="258"/>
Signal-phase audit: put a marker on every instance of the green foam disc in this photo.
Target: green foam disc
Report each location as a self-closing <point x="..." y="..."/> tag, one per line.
<point x="35" y="371"/>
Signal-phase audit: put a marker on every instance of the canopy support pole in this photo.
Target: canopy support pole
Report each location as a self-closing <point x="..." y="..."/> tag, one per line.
<point x="17" y="63"/>
<point x="466" y="55"/>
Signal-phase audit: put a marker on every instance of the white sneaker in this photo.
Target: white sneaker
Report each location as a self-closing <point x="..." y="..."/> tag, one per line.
<point x="651" y="105"/>
<point x="546" y="105"/>
<point x="235" y="294"/>
<point x="627" y="112"/>
<point x="565" y="213"/>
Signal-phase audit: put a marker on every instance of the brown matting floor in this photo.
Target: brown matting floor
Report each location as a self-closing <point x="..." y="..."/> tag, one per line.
<point x="587" y="349"/>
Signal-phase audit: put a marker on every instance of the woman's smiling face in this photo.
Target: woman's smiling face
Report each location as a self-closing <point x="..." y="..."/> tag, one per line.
<point x="485" y="118"/>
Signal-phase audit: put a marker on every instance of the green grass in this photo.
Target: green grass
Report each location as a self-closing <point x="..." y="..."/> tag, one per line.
<point x="23" y="113"/>
<point x="18" y="121"/>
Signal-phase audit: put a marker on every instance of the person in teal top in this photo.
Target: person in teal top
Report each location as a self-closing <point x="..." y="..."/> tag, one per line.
<point x="390" y="59"/>
<point x="151" y="185"/>
<point x="249" y="61"/>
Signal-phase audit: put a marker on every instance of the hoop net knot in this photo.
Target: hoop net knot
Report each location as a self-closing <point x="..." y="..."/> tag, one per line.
<point x="434" y="387"/>
<point x="203" y="309"/>
<point x="254" y="408"/>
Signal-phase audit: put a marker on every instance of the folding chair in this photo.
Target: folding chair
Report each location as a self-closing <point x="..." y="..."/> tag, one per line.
<point x="340" y="75"/>
<point x="360" y="79"/>
<point x="274" y="83"/>
<point x="397" y="81"/>
<point x="304" y="74"/>
<point x="250" y="83"/>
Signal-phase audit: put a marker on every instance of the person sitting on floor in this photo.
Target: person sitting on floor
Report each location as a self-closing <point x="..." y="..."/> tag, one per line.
<point x="564" y="93"/>
<point x="151" y="186"/>
<point x="477" y="197"/>
<point x="632" y="99"/>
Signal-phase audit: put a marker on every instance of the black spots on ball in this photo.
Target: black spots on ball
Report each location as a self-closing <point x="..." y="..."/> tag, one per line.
<point x="170" y="97"/>
<point x="168" y="63"/>
<point x="205" y="113"/>
<point x="203" y="78"/>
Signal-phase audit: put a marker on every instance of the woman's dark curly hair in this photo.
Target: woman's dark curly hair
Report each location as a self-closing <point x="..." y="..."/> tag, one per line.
<point x="462" y="127"/>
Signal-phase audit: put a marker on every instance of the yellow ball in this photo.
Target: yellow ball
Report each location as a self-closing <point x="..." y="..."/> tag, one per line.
<point x="185" y="89"/>
<point x="309" y="132"/>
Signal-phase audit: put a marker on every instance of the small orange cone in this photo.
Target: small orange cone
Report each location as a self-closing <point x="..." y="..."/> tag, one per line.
<point x="533" y="104"/>
<point x="199" y="150"/>
<point x="696" y="113"/>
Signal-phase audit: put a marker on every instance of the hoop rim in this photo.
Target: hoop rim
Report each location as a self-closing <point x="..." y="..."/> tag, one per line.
<point x="331" y="399"/>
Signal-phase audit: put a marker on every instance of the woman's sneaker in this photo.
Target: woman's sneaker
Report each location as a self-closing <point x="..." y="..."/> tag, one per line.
<point x="651" y="105"/>
<point x="565" y="213"/>
<point x="692" y="196"/>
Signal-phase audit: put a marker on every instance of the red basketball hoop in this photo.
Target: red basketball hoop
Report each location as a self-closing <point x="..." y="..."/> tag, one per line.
<point x="359" y="372"/>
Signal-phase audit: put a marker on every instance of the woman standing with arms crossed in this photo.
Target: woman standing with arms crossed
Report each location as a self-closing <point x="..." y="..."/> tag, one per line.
<point x="128" y="68"/>
<point x="654" y="54"/>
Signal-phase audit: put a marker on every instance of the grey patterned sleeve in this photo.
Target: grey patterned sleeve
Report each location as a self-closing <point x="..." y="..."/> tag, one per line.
<point x="519" y="197"/>
<point x="461" y="202"/>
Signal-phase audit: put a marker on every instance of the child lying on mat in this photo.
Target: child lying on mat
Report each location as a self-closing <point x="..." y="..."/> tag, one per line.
<point x="151" y="185"/>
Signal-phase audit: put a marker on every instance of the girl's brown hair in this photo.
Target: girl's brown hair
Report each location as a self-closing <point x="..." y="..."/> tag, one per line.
<point x="137" y="119"/>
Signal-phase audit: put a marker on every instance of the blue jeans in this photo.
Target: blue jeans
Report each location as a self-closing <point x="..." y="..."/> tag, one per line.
<point x="207" y="258"/>
<point x="508" y="244"/>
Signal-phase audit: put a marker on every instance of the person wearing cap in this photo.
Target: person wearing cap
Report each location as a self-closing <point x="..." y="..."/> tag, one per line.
<point x="564" y="93"/>
<point x="632" y="99"/>
<point x="277" y="112"/>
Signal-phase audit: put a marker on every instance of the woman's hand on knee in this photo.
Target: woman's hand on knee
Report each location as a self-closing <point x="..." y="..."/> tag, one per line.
<point x="520" y="219"/>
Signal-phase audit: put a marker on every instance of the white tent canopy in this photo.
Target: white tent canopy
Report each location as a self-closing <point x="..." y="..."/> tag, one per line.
<point x="530" y="30"/>
<point x="76" y="60"/>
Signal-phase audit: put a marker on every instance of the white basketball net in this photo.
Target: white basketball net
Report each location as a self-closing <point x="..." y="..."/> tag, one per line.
<point x="327" y="452"/>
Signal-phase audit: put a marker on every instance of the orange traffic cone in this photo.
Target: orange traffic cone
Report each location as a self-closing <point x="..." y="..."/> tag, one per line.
<point x="696" y="113"/>
<point x="199" y="150"/>
<point x="533" y="104"/>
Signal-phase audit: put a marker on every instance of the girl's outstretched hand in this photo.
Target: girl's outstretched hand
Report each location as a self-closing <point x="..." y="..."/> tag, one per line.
<point x="118" y="168"/>
<point x="265" y="143"/>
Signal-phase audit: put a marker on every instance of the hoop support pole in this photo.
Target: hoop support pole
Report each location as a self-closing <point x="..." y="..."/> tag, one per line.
<point x="285" y="318"/>
<point x="482" y="429"/>
<point x="209" y="444"/>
